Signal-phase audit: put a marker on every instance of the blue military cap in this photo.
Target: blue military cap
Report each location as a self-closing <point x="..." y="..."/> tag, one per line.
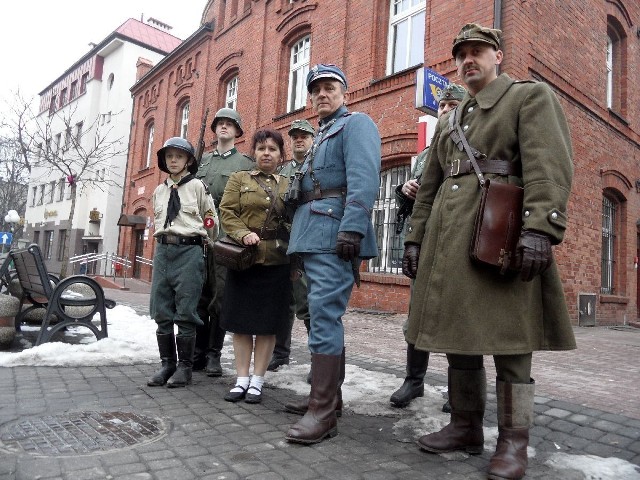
<point x="325" y="70"/>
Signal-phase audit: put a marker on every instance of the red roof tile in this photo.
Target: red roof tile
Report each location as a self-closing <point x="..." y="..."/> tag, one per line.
<point x="148" y="35"/>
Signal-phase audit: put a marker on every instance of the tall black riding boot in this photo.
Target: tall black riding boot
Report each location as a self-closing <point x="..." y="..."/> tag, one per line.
<point x="167" y="348"/>
<point x="413" y="386"/>
<point x="182" y="376"/>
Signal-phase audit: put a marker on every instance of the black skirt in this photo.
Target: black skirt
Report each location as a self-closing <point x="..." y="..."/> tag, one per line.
<point x="256" y="301"/>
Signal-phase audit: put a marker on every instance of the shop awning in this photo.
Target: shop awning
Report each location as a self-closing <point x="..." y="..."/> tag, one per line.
<point x="132" y="221"/>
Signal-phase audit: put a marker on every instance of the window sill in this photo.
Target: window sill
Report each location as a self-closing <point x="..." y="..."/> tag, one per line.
<point x="288" y="114"/>
<point x="614" y="299"/>
<point x="396" y="74"/>
<point x="618" y="117"/>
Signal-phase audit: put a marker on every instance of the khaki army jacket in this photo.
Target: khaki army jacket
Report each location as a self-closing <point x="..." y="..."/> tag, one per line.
<point x="244" y="206"/>
<point x="196" y="210"/>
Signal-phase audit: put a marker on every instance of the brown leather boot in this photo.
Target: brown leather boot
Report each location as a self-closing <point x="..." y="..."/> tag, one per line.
<point x="300" y="406"/>
<point x="468" y="396"/>
<point x="320" y="420"/>
<point x="515" y="416"/>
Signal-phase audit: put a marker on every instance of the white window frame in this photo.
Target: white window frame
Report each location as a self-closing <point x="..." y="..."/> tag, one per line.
<point x="184" y="123"/>
<point x="609" y="64"/>
<point x="609" y="212"/>
<point x="149" y="144"/>
<point x="231" y="100"/>
<point x="413" y="8"/>
<point x="298" y="70"/>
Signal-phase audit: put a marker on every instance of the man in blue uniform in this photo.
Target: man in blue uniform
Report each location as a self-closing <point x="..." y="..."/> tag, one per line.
<point x="332" y="232"/>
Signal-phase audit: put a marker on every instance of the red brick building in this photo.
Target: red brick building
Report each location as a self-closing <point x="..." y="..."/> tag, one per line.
<point x="253" y="55"/>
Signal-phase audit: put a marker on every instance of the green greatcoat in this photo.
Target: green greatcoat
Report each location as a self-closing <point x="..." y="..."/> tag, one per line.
<point x="459" y="307"/>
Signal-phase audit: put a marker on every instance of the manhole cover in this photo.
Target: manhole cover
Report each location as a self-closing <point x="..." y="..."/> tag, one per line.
<point x="81" y="433"/>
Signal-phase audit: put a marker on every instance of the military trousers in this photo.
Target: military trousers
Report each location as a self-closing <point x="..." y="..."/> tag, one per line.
<point x="209" y="336"/>
<point x="176" y="284"/>
<point x="509" y="368"/>
<point x="330" y="282"/>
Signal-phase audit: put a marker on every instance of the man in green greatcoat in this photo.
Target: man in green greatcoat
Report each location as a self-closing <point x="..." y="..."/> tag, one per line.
<point x="215" y="169"/>
<point x="467" y="310"/>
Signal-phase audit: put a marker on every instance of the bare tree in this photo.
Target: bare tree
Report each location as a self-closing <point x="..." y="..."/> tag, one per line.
<point x="81" y="152"/>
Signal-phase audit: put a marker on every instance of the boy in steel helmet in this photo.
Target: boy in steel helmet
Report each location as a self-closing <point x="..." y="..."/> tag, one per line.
<point x="215" y="169"/>
<point x="185" y="220"/>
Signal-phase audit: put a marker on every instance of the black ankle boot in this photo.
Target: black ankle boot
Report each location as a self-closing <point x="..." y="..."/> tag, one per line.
<point x="182" y="376"/>
<point x="213" y="368"/>
<point x="413" y="386"/>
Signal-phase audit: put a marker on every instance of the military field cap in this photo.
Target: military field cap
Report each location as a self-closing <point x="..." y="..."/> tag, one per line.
<point x="453" y="91"/>
<point x="472" y="32"/>
<point x="325" y="70"/>
<point x="303" y="126"/>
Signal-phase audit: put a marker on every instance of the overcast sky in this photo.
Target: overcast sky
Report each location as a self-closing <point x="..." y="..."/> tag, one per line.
<point x="40" y="39"/>
<point x="132" y="341"/>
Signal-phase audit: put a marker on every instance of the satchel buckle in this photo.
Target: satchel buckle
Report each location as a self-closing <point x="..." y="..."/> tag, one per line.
<point x="455" y="167"/>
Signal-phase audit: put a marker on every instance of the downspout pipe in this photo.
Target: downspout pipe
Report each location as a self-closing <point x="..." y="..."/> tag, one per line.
<point x="497" y="23"/>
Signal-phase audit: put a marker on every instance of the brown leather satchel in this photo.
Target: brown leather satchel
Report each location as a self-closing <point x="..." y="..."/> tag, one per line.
<point x="497" y="226"/>
<point x="233" y="255"/>
<point x="498" y="222"/>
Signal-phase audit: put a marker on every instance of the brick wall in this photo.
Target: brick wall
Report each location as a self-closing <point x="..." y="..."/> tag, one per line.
<point x="255" y="40"/>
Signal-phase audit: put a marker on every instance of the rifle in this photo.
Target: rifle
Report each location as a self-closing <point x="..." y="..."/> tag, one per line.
<point x="203" y="128"/>
<point x="404" y="212"/>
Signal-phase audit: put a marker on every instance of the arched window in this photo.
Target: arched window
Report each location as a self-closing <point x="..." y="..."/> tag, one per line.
<point x="184" y="122"/>
<point x="149" y="145"/>
<point x="613" y="220"/>
<point x="616" y="67"/>
<point x="298" y="69"/>
<point x="231" y="97"/>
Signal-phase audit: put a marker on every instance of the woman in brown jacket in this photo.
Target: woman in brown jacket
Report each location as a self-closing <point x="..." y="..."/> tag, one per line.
<point x="256" y="300"/>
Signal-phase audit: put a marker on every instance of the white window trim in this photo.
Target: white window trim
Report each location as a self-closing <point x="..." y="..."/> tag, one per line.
<point x="298" y="98"/>
<point x="184" y="124"/>
<point x="396" y="19"/>
<point x="149" y="144"/>
<point x="231" y="100"/>
<point x="609" y="64"/>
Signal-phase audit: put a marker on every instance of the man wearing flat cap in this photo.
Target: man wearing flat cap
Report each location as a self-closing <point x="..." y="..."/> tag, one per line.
<point x="332" y="232"/>
<point x="517" y="134"/>
<point x="301" y="135"/>
<point x="418" y="360"/>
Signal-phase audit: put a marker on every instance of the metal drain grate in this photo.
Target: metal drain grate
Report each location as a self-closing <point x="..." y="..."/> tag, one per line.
<point x="81" y="433"/>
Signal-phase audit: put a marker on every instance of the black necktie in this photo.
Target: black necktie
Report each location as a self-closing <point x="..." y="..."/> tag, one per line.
<point x="173" y="207"/>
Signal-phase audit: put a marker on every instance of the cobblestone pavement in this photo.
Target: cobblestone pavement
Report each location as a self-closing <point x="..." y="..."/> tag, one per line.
<point x="586" y="404"/>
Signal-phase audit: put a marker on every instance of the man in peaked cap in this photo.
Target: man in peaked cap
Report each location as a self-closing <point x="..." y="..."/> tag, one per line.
<point x="332" y="232"/>
<point x="215" y="169"/>
<point x="418" y="360"/>
<point x="466" y="309"/>
<point x="301" y="135"/>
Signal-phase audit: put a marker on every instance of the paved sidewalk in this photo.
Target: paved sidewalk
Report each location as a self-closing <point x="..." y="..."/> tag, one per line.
<point x="85" y="423"/>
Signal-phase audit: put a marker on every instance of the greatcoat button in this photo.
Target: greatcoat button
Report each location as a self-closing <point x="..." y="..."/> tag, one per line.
<point x="470" y="109"/>
<point x="454" y="188"/>
<point x="330" y="210"/>
<point x="465" y="128"/>
<point x="554" y="215"/>
<point x="527" y="213"/>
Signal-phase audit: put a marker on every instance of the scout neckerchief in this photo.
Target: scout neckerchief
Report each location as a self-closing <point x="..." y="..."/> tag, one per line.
<point x="173" y="207"/>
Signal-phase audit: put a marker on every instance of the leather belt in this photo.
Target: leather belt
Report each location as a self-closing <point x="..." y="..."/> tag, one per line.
<point x="318" y="194"/>
<point x="179" y="240"/>
<point x="499" y="167"/>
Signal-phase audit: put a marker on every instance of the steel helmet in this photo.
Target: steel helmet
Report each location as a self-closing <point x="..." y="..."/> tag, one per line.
<point x="232" y="115"/>
<point x="181" y="144"/>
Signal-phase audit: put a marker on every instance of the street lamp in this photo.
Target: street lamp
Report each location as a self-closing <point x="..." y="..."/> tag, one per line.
<point x="11" y="218"/>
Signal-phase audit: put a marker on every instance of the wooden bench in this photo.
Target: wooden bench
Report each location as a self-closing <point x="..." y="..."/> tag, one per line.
<point x="44" y="291"/>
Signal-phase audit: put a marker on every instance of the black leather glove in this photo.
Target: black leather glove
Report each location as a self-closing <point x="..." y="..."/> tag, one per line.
<point x="410" y="259"/>
<point x="535" y="251"/>
<point x="348" y="245"/>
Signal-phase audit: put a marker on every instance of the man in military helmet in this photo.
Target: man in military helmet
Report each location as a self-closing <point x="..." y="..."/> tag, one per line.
<point x="178" y="265"/>
<point x="301" y="135"/>
<point x="418" y="360"/>
<point x="332" y="232"/>
<point x="468" y="310"/>
<point x="215" y="169"/>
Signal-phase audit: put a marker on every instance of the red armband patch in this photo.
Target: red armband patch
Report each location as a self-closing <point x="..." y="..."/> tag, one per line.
<point x="208" y="222"/>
